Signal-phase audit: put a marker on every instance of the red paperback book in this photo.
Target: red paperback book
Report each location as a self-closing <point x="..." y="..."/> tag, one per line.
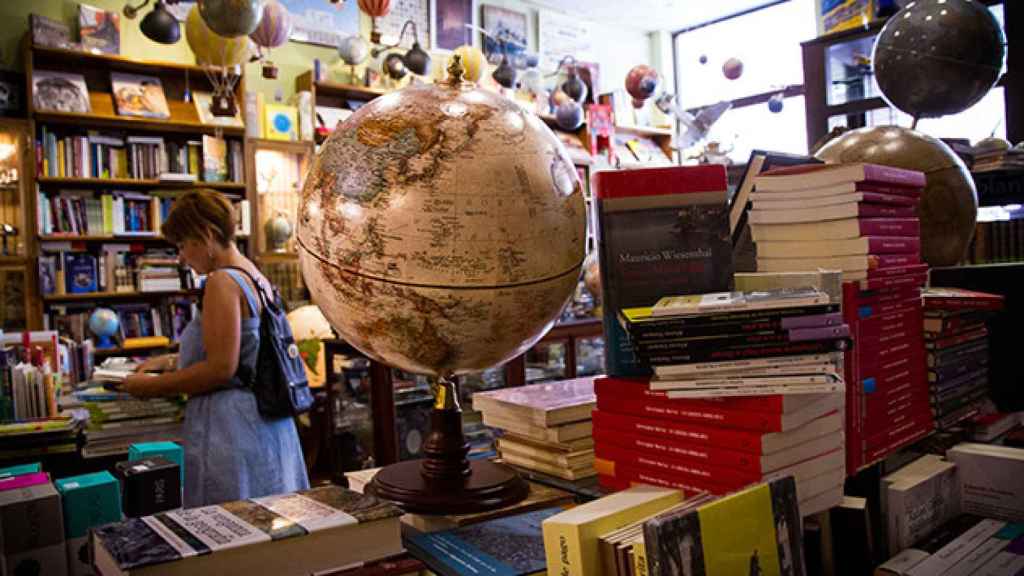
<point x="956" y="339"/>
<point x="745" y="420"/>
<point x="729" y="438"/>
<point x="878" y="421"/>
<point x="958" y="299"/>
<point x="909" y="430"/>
<point x="695" y="472"/>
<point x="639" y="389"/>
<point x="890" y="282"/>
<point x="722" y="457"/>
<point x="820" y="175"/>
<point x="876" y="325"/>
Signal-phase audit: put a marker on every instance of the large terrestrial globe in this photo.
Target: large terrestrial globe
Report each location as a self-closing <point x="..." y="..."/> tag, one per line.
<point x="441" y="229"/>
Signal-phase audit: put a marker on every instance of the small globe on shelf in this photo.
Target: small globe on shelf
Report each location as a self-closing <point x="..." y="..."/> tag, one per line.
<point x="104" y="324"/>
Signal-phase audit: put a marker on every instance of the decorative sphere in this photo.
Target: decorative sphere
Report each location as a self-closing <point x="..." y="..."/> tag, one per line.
<point x="353" y="50"/>
<point x="949" y="204"/>
<point x="275" y="25"/>
<point x="642" y="82"/>
<point x="103" y="322"/>
<point x="278" y="231"/>
<point x="703" y="59"/>
<point x="231" y="18"/>
<point x="441" y="229"/>
<point x="938" y="57"/>
<point x="776" y="103"/>
<point x="394" y="66"/>
<point x="473" y="62"/>
<point x="733" y="68"/>
<point x="569" y="115"/>
<point x="592" y="275"/>
<point x="992" y="144"/>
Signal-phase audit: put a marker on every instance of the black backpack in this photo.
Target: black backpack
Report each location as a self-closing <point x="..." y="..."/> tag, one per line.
<point x="282" y="388"/>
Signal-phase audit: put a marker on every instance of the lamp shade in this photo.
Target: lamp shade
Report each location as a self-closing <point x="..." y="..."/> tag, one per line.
<point x="394" y="66"/>
<point x="417" y="60"/>
<point x="160" y="25"/>
<point x="505" y="74"/>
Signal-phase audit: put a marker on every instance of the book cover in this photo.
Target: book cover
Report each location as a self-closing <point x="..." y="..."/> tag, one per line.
<point x="990" y="480"/>
<point x="708" y="540"/>
<point x="708" y="303"/>
<point x="920" y="502"/>
<point x="546" y="404"/>
<point x="215" y="159"/>
<point x="661" y="231"/>
<point x="247" y="537"/>
<point x="100" y="30"/>
<point x="150" y="486"/>
<point x="49" y="32"/>
<point x="508" y="546"/>
<point x="203" y="102"/>
<point x="903" y="562"/>
<point x="80" y="272"/>
<point x="280" y="122"/>
<point x="59" y="92"/>
<point x="137" y="95"/>
<point x="843" y="229"/>
<point x="571" y="537"/>
<point x="20" y="470"/>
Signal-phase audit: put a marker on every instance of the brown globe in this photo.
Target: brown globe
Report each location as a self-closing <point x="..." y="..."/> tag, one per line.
<point x="949" y="204"/>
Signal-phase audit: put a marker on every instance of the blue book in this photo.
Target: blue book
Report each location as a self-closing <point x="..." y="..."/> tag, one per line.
<point x="80" y="272"/>
<point x="20" y="469"/>
<point x="88" y="500"/>
<point x="509" y="546"/>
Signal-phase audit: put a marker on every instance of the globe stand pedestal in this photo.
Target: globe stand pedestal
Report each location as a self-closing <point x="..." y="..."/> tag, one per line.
<point x="445" y="482"/>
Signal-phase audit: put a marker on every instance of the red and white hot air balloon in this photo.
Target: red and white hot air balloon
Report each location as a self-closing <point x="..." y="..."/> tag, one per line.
<point x="375" y="9"/>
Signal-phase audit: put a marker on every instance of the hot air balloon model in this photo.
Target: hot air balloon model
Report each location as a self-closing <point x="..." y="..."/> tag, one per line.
<point x="375" y="9"/>
<point x="642" y="82"/>
<point x="222" y="57"/>
<point x="274" y="29"/>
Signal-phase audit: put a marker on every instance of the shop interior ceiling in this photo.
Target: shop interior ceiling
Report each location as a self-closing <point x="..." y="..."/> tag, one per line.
<point x="651" y="14"/>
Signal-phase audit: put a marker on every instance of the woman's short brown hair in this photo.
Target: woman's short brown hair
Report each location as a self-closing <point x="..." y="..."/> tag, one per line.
<point x="200" y="213"/>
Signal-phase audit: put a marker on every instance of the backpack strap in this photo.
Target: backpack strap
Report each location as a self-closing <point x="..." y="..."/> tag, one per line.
<point x="250" y="295"/>
<point x="246" y="375"/>
<point x="255" y="286"/>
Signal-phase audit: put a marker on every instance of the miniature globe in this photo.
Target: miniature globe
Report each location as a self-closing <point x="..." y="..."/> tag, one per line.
<point x="104" y="324"/>
<point x="353" y="50"/>
<point x="441" y="228"/>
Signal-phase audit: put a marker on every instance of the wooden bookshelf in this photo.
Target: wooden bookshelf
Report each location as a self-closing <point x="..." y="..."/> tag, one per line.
<point x="136" y="183"/>
<point x="117" y="62"/>
<point x="329" y="93"/>
<point x="114" y="238"/>
<point x="649" y="131"/>
<point x="116" y="295"/>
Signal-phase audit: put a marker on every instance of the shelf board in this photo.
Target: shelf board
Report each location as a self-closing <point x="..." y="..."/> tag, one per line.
<point x="856" y="106"/>
<point x="118" y="351"/>
<point x="116" y="61"/>
<point x="9" y="260"/>
<point x="277" y="256"/>
<point x="100" y="238"/>
<point x="645" y="131"/>
<point x="115" y="295"/>
<point x="341" y="90"/>
<point x="136" y="183"/>
<point x="130" y="123"/>
<point x="294" y="146"/>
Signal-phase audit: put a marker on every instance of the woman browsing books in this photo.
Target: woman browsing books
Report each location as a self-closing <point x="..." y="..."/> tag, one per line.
<point x="231" y="451"/>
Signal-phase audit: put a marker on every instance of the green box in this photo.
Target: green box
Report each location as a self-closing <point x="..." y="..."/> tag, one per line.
<point x="88" y="500"/>
<point x="20" y="470"/>
<point x="170" y="450"/>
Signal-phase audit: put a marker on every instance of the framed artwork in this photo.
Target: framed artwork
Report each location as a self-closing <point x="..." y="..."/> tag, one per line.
<point x="322" y="23"/>
<point x="504" y="23"/>
<point x="418" y="11"/>
<point x="450" y="20"/>
<point x="60" y="92"/>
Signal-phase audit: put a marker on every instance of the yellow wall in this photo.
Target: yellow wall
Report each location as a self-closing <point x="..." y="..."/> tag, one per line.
<point x="616" y="57"/>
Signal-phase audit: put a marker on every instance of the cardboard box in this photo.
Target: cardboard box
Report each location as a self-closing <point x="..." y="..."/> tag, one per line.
<point x="88" y="500"/>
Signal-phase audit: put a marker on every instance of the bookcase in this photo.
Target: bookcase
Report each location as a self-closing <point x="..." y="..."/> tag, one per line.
<point x="100" y="184"/>
<point x="334" y="95"/>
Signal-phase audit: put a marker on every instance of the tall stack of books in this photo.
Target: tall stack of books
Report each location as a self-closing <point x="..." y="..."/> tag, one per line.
<point x="956" y="340"/>
<point x="998" y="159"/>
<point x="860" y="219"/>
<point x="545" y="427"/>
<point x="745" y="386"/>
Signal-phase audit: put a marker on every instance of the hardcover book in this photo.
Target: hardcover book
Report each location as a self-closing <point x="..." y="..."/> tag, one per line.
<point x="150" y="486"/>
<point x="708" y="540"/>
<point x="80" y="272"/>
<point x="60" y="92"/>
<point x="304" y="532"/>
<point x="49" y="32"/>
<point x="100" y="30"/>
<point x="548" y="404"/>
<point x="137" y="95"/>
<point x="508" y="546"/>
<point x="89" y="500"/>
<point x="215" y="159"/>
<point x="661" y="231"/>
<point x="821" y="175"/>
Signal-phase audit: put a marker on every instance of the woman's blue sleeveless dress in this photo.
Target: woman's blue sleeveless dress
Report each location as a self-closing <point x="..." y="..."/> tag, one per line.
<point x="231" y="451"/>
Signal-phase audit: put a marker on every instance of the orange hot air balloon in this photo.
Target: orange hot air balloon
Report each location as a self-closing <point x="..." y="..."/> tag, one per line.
<point x="375" y="9"/>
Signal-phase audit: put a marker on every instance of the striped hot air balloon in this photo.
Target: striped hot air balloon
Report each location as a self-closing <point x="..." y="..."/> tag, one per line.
<point x="209" y="47"/>
<point x="375" y="8"/>
<point x="473" y="62"/>
<point x="275" y="26"/>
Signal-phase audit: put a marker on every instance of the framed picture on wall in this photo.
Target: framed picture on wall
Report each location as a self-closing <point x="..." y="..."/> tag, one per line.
<point x="450" y="24"/>
<point x="505" y="24"/>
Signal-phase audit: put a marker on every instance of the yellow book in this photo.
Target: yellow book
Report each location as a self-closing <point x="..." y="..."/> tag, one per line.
<point x="60" y="159"/>
<point x="108" y="214"/>
<point x="639" y="557"/>
<point x="571" y="537"/>
<point x="146" y="342"/>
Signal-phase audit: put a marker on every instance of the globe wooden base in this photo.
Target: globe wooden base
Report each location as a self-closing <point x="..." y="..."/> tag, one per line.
<point x="488" y="486"/>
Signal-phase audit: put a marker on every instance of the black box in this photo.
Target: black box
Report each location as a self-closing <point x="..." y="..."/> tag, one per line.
<point x="149" y="486"/>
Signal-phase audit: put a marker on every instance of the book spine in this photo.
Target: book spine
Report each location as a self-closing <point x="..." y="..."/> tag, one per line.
<point x="955" y="303"/>
<point x="966" y="365"/>
<point x="679" y="449"/>
<point x="894" y="282"/>
<point x="616" y="476"/>
<point x="638" y="390"/>
<point x="732" y="439"/>
<point x="746" y="390"/>
<point x="755" y="421"/>
<point x="563" y="548"/>
<point x="866" y="210"/>
<point x="913" y="269"/>
<point x="713" y="324"/>
<point x="894" y="176"/>
<point x="893" y="245"/>
<point x="819" y="333"/>
<point x="949" y="342"/>
<point x="778" y="364"/>
<point x="745" y="352"/>
<point x="694" y="473"/>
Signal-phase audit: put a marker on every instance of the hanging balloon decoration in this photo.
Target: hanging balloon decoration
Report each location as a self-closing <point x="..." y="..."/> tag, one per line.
<point x="375" y="9"/>
<point x="473" y="62"/>
<point x="273" y="30"/>
<point x="231" y="18"/>
<point x="642" y="82"/>
<point x="221" y="56"/>
<point x="775" y="103"/>
<point x="703" y="59"/>
<point x="733" y="68"/>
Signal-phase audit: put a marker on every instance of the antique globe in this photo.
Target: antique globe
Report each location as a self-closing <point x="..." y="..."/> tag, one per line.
<point x="949" y="203"/>
<point x="103" y="322"/>
<point x="441" y="231"/>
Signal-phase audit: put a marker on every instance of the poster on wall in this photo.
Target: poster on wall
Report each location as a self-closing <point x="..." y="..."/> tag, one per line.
<point x="450" y="20"/>
<point x="560" y="35"/>
<point x="313" y="21"/>
<point x="390" y="26"/>
<point x="505" y="24"/>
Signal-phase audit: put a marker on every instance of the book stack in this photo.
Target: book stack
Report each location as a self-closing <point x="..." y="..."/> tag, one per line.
<point x="858" y="218"/>
<point x="956" y="343"/>
<point x="998" y="159"/>
<point x="545" y="427"/>
<point x="118" y="420"/>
